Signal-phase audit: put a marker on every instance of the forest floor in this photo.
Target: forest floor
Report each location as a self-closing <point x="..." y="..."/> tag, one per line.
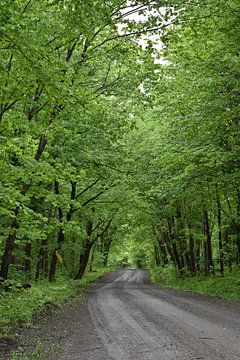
<point x="125" y="317"/>
<point x="226" y="287"/>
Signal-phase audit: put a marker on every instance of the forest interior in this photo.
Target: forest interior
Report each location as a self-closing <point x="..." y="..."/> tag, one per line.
<point x="119" y="147"/>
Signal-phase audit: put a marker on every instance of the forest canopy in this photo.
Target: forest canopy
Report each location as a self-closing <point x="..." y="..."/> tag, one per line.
<point x="119" y="136"/>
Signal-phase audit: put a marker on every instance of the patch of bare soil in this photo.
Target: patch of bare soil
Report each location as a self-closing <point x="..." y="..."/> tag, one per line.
<point x="7" y="345"/>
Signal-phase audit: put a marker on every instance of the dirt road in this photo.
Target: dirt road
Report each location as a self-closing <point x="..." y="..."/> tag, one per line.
<point x="127" y="318"/>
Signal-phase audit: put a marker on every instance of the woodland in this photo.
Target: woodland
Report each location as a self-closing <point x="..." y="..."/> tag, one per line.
<point x="119" y="137"/>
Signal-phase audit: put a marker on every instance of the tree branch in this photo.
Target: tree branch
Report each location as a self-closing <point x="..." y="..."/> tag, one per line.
<point x="87" y="188"/>
<point x="97" y="195"/>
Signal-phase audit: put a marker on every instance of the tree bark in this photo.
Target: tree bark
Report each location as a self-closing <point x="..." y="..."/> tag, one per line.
<point x="238" y="229"/>
<point x="60" y="240"/>
<point x="169" y="248"/>
<point x="27" y="262"/>
<point x="192" y="260"/>
<point x="9" y="247"/>
<point x="220" y="241"/>
<point x="83" y="260"/>
<point x="208" y="243"/>
<point x="198" y="247"/>
<point x="157" y="255"/>
<point x="89" y="242"/>
<point x="106" y="240"/>
<point x="42" y="263"/>
<point x="53" y="264"/>
<point x="163" y="251"/>
<point x="176" y="256"/>
<point x="173" y="242"/>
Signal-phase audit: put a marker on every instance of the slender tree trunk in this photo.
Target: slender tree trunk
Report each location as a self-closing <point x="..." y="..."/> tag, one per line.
<point x="173" y="242"/>
<point x="176" y="256"/>
<point x="206" y="260"/>
<point x="198" y="248"/>
<point x="53" y="264"/>
<point x="7" y="255"/>
<point x="61" y="236"/>
<point x="9" y="247"/>
<point x="106" y="252"/>
<point x="160" y="248"/>
<point x="157" y="255"/>
<point x="208" y="255"/>
<point x="238" y="249"/>
<point x="87" y="245"/>
<point x="92" y="257"/>
<point x="169" y="248"/>
<point x="42" y="259"/>
<point x="220" y="241"/>
<point x="163" y="251"/>
<point x="89" y="242"/>
<point x="180" y="239"/>
<point x="238" y="230"/>
<point x="192" y="261"/>
<point x="228" y="246"/>
<point x="27" y="262"/>
<point x="42" y="263"/>
<point x="83" y="260"/>
<point x="188" y="261"/>
<point x="15" y="257"/>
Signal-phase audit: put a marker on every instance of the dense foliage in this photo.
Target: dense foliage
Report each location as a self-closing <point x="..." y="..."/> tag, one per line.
<point x="191" y="146"/>
<point x="107" y="145"/>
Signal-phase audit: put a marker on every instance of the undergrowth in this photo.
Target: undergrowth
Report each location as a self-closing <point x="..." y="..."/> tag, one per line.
<point x="19" y="305"/>
<point x="226" y="287"/>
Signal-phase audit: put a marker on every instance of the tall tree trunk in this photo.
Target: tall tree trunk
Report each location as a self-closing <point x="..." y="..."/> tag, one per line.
<point x="163" y="251"/>
<point x="83" y="260"/>
<point x="157" y="255"/>
<point x="87" y="245"/>
<point x="42" y="263"/>
<point x="107" y="241"/>
<point x="27" y="262"/>
<point x="160" y="247"/>
<point x="176" y="256"/>
<point x="237" y="247"/>
<point x="173" y="242"/>
<point x="220" y="241"/>
<point x="198" y="247"/>
<point x="208" y="250"/>
<point x="60" y="240"/>
<point x="169" y="248"/>
<point x="192" y="261"/>
<point x="238" y="229"/>
<point x="92" y="257"/>
<point x="89" y="242"/>
<point x="206" y="261"/>
<point x="53" y="263"/>
<point x="228" y="247"/>
<point x="180" y="238"/>
<point x="9" y="247"/>
<point x="61" y="236"/>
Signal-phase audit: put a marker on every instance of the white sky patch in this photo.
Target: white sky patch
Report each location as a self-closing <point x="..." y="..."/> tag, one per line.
<point x="134" y="13"/>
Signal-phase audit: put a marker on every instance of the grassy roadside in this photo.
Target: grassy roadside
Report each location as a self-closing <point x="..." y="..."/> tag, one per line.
<point x="19" y="305"/>
<point x="227" y="287"/>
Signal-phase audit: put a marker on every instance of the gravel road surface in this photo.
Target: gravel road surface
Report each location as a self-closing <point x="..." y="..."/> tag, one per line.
<point x="126" y="318"/>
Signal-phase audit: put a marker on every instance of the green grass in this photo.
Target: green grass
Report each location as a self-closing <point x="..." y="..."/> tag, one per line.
<point x="227" y="287"/>
<point x="19" y="305"/>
